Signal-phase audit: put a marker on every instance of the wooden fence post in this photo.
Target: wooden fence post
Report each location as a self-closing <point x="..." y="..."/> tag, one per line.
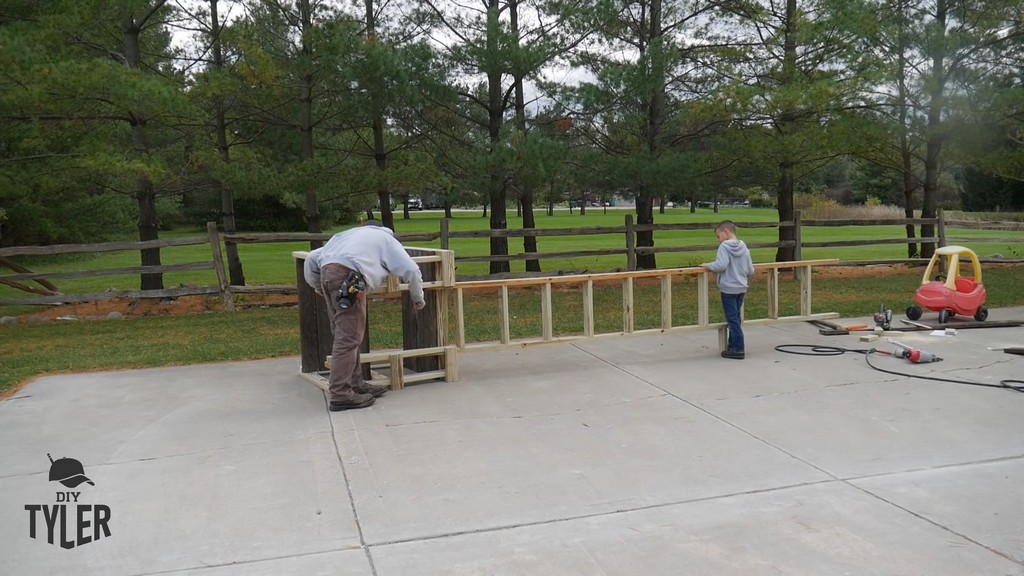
<point x="797" y="237"/>
<point x="797" y="248"/>
<point x="630" y="244"/>
<point x="218" y="265"/>
<point x="444" y="233"/>
<point x="941" y="224"/>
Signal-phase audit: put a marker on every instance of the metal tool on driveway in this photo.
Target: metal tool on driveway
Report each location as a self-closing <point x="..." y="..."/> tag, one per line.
<point x="913" y="355"/>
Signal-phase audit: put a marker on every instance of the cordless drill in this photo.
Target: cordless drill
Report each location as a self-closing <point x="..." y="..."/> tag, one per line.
<point x="913" y="354"/>
<point x="883" y="318"/>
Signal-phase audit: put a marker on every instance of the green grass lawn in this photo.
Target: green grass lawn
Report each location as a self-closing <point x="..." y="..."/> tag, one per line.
<point x="27" y="351"/>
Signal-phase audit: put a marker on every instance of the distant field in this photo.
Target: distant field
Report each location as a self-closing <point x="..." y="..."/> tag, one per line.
<point x="273" y="264"/>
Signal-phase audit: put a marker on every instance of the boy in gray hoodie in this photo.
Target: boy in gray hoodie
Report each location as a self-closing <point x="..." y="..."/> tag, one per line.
<point x="733" y="266"/>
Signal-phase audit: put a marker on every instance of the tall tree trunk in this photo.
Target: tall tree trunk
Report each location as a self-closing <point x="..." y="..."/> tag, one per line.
<point x="655" y="121"/>
<point x="906" y="154"/>
<point x="220" y="129"/>
<point x="786" y="120"/>
<point x="306" y="81"/>
<point x="525" y="185"/>
<point x="936" y="95"/>
<point x="496" y="176"/>
<point x="379" y="152"/>
<point x="145" y="194"/>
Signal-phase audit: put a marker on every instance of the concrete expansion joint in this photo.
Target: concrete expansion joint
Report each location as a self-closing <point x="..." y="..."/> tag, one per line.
<point x="206" y="565"/>
<point x="949" y="466"/>
<point x="616" y="512"/>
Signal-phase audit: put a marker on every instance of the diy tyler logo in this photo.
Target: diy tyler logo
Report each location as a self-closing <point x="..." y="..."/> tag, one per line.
<point x="69" y="522"/>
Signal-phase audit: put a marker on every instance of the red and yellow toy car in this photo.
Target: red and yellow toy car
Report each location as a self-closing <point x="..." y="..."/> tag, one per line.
<point x="951" y="294"/>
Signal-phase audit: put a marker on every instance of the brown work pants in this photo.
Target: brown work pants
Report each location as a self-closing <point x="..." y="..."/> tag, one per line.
<point x="348" y="325"/>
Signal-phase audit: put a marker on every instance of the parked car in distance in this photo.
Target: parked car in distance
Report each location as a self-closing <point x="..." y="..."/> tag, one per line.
<point x="414" y="203"/>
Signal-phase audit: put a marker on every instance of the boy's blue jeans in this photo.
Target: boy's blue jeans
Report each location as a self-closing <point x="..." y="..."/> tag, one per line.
<point x="733" y="304"/>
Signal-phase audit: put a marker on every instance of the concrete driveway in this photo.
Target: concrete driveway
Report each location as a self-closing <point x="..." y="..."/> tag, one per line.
<point x="619" y="455"/>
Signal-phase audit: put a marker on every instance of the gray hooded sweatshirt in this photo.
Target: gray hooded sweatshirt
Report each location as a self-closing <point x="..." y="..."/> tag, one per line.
<point x="732" y="265"/>
<point x="373" y="251"/>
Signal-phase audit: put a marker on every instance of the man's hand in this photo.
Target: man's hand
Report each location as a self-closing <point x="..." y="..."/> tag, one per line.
<point x="418" y="305"/>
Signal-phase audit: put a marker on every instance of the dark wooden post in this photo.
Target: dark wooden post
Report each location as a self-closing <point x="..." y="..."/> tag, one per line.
<point x="798" y="237"/>
<point x="420" y="328"/>
<point x="315" y="338"/>
<point x="941" y="221"/>
<point x="444" y="233"/>
<point x="940" y="227"/>
<point x="630" y="244"/>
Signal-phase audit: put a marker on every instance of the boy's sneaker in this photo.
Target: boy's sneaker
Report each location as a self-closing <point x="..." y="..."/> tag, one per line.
<point x="733" y="355"/>
<point x="375" y="390"/>
<point x="356" y="401"/>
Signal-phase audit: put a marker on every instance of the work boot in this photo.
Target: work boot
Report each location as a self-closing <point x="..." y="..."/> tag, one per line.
<point x="733" y="355"/>
<point x="375" y="390"/>
<point x="355" y="401"/>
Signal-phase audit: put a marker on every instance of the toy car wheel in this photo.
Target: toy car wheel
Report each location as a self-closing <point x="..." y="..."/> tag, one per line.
<point x="981" y="314"/>
<point x="913" y="313"/>
<point x="944" y="316"/>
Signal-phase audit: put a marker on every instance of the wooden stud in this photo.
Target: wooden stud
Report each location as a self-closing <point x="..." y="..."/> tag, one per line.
<point x="397" y="380"/>
<point x="703" y="314"/>
<point x="392" y="284"/>
<point x="805" y="291"/>
<point x="442" y="297"/>
<point x="627" y="305"/>
<point x="547" y="326"/>
<point x="666" y="302"/>
<point x="773" y="293"/>
<point x="460" y="320"/>
<point x="588" y="308"/>
<point x="451" y="364"/>
<point x="504" y="317"/>
<point x="448" y="268"/>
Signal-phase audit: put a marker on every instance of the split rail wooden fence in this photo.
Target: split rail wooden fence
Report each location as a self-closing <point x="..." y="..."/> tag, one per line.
<point x="44" y="289"/>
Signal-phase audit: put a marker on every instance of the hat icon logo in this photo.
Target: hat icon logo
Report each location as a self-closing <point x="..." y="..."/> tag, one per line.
<point x="68" y="472"/>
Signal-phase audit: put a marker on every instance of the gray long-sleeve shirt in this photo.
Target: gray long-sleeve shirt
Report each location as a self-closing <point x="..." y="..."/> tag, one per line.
<point x="373" y="251"/>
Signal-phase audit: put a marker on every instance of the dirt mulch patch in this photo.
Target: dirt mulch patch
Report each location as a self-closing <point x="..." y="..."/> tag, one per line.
<point x="138" y="307"/>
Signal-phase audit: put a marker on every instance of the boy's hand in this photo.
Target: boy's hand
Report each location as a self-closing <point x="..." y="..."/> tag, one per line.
<point x="418" y="305"/>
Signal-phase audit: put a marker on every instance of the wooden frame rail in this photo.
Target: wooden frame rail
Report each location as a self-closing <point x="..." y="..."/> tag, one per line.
<point x="586" y="283"/>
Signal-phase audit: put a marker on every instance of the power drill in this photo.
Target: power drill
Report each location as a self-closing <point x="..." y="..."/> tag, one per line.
<point x="351" y="289"/>
<point x="913" y="354"/>
<point x="883" y="318"/>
